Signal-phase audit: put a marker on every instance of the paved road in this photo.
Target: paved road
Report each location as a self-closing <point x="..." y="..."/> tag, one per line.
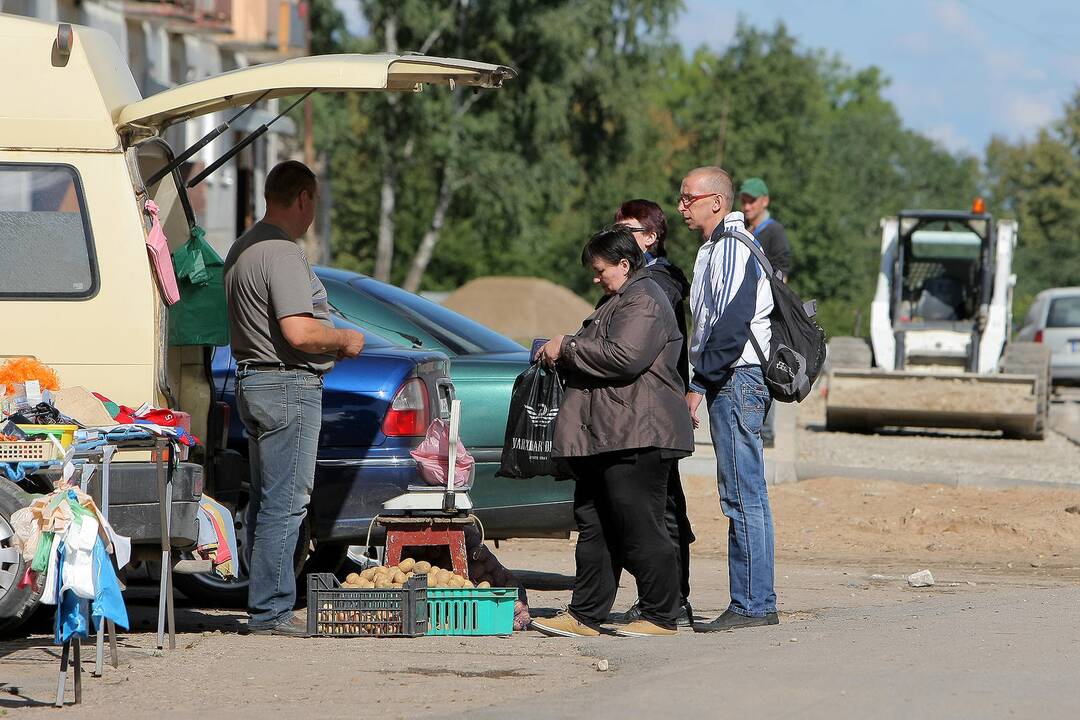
<point x="1010" y="653"/>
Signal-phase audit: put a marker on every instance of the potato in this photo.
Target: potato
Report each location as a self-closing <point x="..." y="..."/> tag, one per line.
<point x="382" y="583"/>
<point x="398" y="577"/>
<point x="468" y="585"/>
<point x="422" y="567"/>
<point x="406" y="565"/>
<point x="457" y="581"/>
<point x="367" y="584"/>
<point x="434" y="569"/>
<point x="352" y="578"/>
<point x="368" y="574"/>
<point x="484" y="584"/>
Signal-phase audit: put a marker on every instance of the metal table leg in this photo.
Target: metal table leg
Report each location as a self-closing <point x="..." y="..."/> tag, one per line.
<point x="61" y="683"/>
<point x="165" y="590"/>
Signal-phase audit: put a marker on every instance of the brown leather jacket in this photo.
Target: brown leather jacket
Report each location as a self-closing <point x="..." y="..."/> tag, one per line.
<point x="623" y="389"/>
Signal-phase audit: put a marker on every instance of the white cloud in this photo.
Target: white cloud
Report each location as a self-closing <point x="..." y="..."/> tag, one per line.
<point x="1025" y="112"/>
<point x="917" y="43"/>
<point x="950" y="138"/>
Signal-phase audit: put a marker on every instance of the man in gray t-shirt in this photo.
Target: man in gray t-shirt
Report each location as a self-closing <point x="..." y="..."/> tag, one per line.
<point x="283" y="341"/>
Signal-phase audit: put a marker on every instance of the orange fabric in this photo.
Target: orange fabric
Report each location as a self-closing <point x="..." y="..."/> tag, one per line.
<point x="21" y="369"/>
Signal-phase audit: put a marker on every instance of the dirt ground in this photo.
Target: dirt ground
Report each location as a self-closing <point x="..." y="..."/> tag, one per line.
<point x="853" y="520"/>
<point x="843" y="546"/>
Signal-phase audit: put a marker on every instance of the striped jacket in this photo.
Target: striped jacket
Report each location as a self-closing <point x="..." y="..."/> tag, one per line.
<point x="730" y="296"/>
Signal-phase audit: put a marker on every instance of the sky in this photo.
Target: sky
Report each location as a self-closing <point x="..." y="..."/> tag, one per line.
<point x="961" y="71"/>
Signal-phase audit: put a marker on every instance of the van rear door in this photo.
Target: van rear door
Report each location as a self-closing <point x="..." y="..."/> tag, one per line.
<point x="324" y="73"/>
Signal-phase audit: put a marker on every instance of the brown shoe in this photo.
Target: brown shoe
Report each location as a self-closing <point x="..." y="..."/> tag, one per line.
<point x="564" y="625"/>
<point x="644" y="628"/>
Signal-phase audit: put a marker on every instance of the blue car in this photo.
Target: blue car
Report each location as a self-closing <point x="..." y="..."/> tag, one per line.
<point x="376" y="408"/>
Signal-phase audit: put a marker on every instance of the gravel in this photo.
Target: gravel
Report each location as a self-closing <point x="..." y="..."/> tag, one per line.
<point x="959" y="452"/>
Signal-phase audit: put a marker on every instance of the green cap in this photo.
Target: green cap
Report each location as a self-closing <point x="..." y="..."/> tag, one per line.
<point x="754" y="187"/>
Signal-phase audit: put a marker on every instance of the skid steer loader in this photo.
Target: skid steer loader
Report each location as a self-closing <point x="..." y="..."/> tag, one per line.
<point x="939" y="355"/>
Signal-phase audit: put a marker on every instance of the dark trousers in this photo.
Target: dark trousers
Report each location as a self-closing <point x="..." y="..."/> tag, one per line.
<point x="620" y="502"/>
<point x="678" y="527"/>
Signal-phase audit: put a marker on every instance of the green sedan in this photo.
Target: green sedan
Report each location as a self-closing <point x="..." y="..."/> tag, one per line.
<point x="483" y="366"/>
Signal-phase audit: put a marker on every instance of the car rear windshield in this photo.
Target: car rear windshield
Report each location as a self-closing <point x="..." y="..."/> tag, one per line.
<point x="436" y="327"/>
<point x="45" y="239"/>
<point x="1064" y="312"/>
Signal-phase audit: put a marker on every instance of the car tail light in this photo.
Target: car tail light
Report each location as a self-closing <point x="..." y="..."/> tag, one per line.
<point x="410" y="410"/>
<point x="1038" y="336"/>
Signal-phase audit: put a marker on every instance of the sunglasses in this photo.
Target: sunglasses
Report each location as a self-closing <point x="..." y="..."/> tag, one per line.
<point x="688" y="200"/>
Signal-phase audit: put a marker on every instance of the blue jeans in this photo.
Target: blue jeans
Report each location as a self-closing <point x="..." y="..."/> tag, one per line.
<point x="282" y="412"/>
<point x="736" y="413"/>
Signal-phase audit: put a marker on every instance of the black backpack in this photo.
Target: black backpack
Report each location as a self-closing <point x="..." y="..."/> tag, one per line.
<point x="797" y="350"/>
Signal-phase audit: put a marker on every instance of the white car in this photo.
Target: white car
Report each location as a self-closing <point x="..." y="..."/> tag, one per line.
<point x="1054" y="320"/>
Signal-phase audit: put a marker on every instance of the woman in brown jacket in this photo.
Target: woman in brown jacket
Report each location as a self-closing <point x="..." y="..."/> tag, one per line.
<point x="622" y="423"/>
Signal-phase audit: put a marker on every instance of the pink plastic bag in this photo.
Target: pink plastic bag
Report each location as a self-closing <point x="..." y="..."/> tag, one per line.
<point x="160" y="258"/>
<point x="432" y="457"/>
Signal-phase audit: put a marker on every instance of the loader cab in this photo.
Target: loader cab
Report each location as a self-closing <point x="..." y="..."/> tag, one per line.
<point x="943" y="281"/>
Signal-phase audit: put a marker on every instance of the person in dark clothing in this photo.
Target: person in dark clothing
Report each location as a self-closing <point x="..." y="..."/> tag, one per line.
<point x="754" y="197"/>
<point x="622" y="423"/>
<point x="770" y="234"/>
<point x="645" y="219"/>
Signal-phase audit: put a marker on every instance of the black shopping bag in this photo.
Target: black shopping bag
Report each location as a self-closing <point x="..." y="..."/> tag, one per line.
<point x="530" y="426"/>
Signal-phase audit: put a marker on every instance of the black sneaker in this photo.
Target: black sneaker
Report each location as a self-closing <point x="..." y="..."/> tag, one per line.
<point x="686" y="615"/>
<point x="734" y="621"/>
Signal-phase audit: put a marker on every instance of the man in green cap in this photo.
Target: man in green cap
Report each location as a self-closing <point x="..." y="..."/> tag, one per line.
<point x="754" y="197"/>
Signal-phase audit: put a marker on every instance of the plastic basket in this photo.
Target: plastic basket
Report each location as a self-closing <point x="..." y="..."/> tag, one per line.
<point x="334" y="611"/>
<point x="64" y="433"/>
<point x="28" y="451"/>
<point x="471" y="611"/>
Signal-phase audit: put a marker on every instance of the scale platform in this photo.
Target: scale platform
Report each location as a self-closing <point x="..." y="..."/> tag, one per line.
<point x="429" y="498"/>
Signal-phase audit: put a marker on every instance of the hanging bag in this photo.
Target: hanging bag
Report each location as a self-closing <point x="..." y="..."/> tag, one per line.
<point x="200" y="317"/>
<point x="530" y="426"/>
<point x="158" y="248"/>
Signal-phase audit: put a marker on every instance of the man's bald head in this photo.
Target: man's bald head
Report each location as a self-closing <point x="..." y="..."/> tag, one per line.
<point x="705" y="197"/>
<point x="711" y="178"/>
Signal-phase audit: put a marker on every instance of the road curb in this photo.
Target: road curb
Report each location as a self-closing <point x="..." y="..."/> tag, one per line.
<point x="809" y="471"/>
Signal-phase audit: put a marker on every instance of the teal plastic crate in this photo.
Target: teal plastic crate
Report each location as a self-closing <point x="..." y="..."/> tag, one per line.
<point x="471" y="611"/>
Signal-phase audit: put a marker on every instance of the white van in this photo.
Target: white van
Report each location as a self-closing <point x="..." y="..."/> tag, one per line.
<point x="78" y="144"/>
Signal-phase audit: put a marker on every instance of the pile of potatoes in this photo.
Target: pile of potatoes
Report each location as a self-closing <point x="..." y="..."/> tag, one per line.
<point x="395" y="576"/>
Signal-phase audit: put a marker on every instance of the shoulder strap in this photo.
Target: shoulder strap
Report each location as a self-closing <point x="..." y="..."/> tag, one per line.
<point x="764" y="261"/>
<point x="756" y="250"/>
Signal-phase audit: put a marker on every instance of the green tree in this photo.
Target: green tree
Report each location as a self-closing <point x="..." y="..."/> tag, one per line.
<point x="1038" y="183"/>
<point x="489" y="182"/>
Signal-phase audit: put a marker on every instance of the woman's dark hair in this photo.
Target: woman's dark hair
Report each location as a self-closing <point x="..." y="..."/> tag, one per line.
<point x="650" y="217"/>
<point x="612" y="244"/>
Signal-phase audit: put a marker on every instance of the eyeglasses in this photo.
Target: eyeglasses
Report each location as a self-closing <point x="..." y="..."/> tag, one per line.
<point x="688" y="200"/>
<point x="634" y="229"/>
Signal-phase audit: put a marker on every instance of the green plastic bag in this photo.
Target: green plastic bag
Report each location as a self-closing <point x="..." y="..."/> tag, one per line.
<point x="200" y="317"/>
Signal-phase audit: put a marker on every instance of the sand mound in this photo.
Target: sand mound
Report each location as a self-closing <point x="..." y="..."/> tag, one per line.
<point x="522" y="308"/>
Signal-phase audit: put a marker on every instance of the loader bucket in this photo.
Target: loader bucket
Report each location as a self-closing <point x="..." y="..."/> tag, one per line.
<point x="865" y="400"/>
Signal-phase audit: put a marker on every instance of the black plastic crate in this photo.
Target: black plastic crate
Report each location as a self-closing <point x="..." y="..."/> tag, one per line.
<point x="334" y="611"/>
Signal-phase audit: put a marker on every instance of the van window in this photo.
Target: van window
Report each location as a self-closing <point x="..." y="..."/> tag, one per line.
<point x="45" y="238"/>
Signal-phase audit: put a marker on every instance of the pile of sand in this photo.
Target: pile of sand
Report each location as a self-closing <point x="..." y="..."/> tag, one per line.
<point x="522" y="308"/>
